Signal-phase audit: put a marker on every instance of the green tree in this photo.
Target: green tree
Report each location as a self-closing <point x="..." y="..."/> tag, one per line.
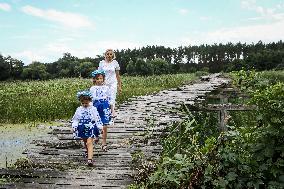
<point x="160" y="66"/>
<point x="140" y="67"/>
<point x="130" y="68"/>
<point x="66" y="65"/>
<point x="4" y="69"/>
<point x="35" y="71"/>
<point x="84" y="69"/>
<point x="15" y="67"/>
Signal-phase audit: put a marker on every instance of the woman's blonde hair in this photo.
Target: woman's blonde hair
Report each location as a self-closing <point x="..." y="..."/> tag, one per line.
<point x="113" y="57"/>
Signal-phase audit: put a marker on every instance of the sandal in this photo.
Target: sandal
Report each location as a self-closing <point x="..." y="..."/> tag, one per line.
<point x="90" y="163"/>
<point x="104" y="148"/>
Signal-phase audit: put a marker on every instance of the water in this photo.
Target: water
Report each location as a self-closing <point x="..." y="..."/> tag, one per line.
<point x="14" y="139"/>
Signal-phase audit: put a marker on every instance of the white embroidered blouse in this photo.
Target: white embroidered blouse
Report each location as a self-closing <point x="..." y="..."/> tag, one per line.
<point x="83" y="113"/>
<point x="101" y="92"/>
<point x="109" y="68"/>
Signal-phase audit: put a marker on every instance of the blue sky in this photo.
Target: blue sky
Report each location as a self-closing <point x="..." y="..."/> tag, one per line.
<point x="37" y="30"/>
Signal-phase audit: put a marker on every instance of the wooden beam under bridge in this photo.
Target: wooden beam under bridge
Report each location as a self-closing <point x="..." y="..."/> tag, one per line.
<point x="222" y="108"/>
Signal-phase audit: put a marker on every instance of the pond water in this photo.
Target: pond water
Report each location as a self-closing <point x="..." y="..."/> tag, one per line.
<point x="14" y="139"/>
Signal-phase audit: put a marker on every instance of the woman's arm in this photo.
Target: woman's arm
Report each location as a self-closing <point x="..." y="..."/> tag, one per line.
<point x="96" y="117"/>
<point x="118" y="81"/>
<point x="100" y="65"/>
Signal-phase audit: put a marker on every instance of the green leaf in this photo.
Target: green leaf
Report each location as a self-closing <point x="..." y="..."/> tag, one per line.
<point x="178" y="156"/>
<point x="231" y="176"/>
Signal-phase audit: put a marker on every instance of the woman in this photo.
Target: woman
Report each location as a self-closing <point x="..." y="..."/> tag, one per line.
<point x="112" y="76"/>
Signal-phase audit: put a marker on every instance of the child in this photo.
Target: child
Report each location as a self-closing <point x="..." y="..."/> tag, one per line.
<point x="85" y="124"/>
<point x="103" y="101"/>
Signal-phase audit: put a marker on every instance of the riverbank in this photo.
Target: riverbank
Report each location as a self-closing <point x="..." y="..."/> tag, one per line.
<point x="15" y="138"/>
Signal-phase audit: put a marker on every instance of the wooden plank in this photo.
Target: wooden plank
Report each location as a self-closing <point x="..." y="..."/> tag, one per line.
<point x="219" y="107"/>
<point x="229" y="107"/>
<point x="219" y="96"/>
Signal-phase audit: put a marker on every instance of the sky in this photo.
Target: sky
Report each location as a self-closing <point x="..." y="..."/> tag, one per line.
<point x="42" y="30"/>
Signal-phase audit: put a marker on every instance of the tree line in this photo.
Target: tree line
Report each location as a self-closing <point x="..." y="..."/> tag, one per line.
<point x="154" y="60"/>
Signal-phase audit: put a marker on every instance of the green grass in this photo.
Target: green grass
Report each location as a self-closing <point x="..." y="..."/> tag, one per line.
<point x="137" y="86"/>
<point x="22" y="102"/>
<point x="275" y="76"/>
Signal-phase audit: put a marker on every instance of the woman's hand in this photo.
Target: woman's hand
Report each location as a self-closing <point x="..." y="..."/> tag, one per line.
<point x="119" y="89"/>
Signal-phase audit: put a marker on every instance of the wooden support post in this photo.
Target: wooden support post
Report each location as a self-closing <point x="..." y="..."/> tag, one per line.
<point x="223" y="107"/>
<point x="223" y="114"/>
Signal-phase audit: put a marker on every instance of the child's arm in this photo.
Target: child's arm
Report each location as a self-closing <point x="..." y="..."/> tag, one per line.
<point x="93" y="92"/>
<point x="96" y="117"/>
<point x="100" y="66"/>
<point x="75" y="120"/>
<point x="109" y="96"/>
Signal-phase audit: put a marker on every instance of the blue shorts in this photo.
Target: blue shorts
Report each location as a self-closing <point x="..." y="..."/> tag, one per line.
<point x="103" y="108"/>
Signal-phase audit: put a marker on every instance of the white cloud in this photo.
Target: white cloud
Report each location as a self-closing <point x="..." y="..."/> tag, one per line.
<point x="5" y="7"/>
<point x="265" y="13"/>
<point x="57" y="47"/>
<point x="90" y="49"/>
<point x="183" y="11"/>
<point x="47" y="53"/>
<point x="28" y="56"/>
<point x="115" y="45"/>
<point x="248" y="4"/>
<point x="67" y="19"/>
<point x="247" y="34"/>
<point x="53" y="51"/>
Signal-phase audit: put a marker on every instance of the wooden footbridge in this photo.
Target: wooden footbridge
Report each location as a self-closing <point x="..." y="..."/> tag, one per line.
<point x="58" y="162"/>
